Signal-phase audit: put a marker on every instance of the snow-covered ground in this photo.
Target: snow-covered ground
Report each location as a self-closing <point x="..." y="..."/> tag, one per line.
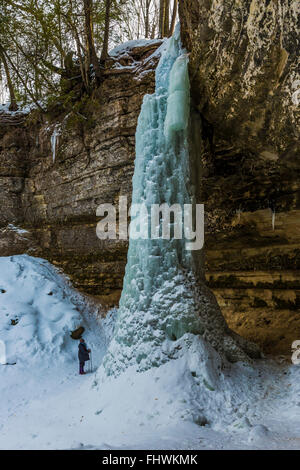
<point x="188" y="403"/>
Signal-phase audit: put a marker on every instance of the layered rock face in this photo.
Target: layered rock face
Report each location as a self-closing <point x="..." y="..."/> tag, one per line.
<point x="56" y="201"/>
<point x="244" y="69"/>
<point x="245" y="91"/>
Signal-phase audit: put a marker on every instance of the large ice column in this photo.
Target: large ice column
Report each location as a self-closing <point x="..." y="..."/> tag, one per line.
<point x="155" y="307"/>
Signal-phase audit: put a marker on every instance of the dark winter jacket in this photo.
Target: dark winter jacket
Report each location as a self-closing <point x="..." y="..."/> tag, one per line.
<point x="83" y="354"/>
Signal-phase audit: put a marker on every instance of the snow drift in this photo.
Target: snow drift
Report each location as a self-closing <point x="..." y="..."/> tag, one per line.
<point x="38" y="309"/>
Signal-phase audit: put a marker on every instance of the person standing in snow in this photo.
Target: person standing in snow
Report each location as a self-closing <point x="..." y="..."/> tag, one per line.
<point x="83" y="355"/>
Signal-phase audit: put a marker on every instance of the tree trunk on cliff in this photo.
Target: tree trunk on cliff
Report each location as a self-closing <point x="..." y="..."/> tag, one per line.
<point x="146" y="18"/>
<point x="161" y="17"/>
<point x="174" y="15"/>
<point x="60" y="35"/>
<point x="34" y="64"/>
<point x="80" y="50"/>
<point x="13" y="101"/>
<point x="104" y="53"/>
<point x="167" y="18"/>
<point x="164" y="18"/>
<point x="91" y="51"/>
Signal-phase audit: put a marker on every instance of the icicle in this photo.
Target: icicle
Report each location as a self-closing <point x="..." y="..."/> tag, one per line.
<point x="54" y="136"/>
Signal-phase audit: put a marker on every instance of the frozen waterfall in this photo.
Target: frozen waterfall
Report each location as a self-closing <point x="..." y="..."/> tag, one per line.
<point x="155" y="307"/>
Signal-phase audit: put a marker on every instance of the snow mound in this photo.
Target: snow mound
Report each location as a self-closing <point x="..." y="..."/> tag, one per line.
<point x="38" y="310"/>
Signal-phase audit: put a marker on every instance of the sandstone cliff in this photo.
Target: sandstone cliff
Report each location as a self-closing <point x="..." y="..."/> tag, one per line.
<point x="244" y="69"/>
<point x="245" y="91"/>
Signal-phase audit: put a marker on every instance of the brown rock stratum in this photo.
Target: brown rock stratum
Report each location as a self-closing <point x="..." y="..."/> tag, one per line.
<point x="244" y="85"/>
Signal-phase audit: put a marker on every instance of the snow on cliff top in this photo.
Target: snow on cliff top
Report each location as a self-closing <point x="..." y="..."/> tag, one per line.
<point x="129" y="45"/>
